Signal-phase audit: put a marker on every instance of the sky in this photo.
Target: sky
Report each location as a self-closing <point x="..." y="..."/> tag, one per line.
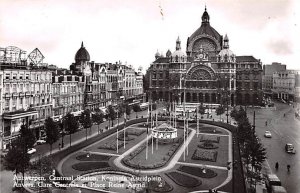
<point x="131" y="31"/>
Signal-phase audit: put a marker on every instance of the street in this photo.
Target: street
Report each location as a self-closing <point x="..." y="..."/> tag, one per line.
<point x="285" y="128"/>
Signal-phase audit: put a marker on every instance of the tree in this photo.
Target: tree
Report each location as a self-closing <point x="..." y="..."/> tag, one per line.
<point x="52" y="132"/>
<point x="201" y="109"/>
<point x="220" y="110"/>
<point x="98" y="118"/>
<point x="17" y="159"/>
<point x="241" y="115"/>
<point x="70" y="124"/>
<point x="86" y="121"/>
<point x="27" y="136"/>
<point x="111" y="114"/>
<point x="127" y="109"/>
<point x="233" y="113"/>
<point x="136" y="108"/>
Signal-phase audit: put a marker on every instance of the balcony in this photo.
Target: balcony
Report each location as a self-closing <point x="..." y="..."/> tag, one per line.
<point x="19" y="114"/>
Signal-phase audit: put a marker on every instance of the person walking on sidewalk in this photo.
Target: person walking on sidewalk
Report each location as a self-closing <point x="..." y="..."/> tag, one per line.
<point x="276" y="165"/>
<point x="288" y="167"/>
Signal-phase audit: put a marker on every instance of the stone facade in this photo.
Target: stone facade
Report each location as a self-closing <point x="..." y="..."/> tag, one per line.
<point x="286" y="84"/>
<point x="209" y="72"/>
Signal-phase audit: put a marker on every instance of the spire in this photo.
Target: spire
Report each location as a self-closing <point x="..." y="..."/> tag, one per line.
<point x="178" y="42"/>
<point x="226" y="42"/>
<point x="205" y="16"/>
<point x="82" y="44"/>
<point x="157" y="55"/>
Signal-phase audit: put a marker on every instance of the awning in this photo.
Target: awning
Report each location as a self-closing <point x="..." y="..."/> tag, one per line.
<point x="19" y="114"/>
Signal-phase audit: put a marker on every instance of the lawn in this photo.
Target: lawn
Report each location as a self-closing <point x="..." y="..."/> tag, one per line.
<point x="93" y="157"/>
<point x="86" y="166"/>
<point x="216" y="155"/>
<point x="197" y="171"/>
<point x="159" y="158"/>
<point x="184" y="180"/>
<point x="109" y="144"/>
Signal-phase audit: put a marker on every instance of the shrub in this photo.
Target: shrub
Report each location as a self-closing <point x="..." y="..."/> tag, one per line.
<point x="205" y="155"/>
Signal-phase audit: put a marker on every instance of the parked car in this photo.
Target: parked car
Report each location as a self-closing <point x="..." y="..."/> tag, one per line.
<point x="268" y="134"/>
<point x="40" y="141"/>
<point x="31" y="151"/>
<point x="289" y="148"/>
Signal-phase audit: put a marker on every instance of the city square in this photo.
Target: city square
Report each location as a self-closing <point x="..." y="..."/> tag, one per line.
<point x="210" y="111"/>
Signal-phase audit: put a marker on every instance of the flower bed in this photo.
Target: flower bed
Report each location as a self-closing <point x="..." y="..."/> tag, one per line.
<point x="160" y="186"/>
<point x="128" y="160"/>
<point x="211" y="138"/>
<point x="183" y="180"/>
<point x="85" y="166"/>
<point x="136" y="132"/>
<point x="205" y="155"/>
<point x="93" y="157"/>
<point x="208" y="145"/>
<point x="127" y="137"/>
<point x="112" y="145"/>
<point x="199" y="172"/>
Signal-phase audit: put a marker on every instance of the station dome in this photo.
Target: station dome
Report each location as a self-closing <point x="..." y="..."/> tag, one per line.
<point x="226" y="55"/>
<point x="82" y="54"/>
<point x="178" y="55"/>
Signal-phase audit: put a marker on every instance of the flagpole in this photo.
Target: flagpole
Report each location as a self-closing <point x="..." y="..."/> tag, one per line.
<point x="187" y="145"/>
<point x="118" y="140"/>
<point x="197" y="121"/>
<point x="183" y="119"/>
<point x="124" y="129"/>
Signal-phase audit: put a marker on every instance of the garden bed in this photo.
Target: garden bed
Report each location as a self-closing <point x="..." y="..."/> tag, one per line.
<point x="211" y="138"/>
<point x="93" y="157"/>
<point x="170" y="149"/>
<point x="86" y="166"/>
<point x="205" y="155"/>
<point x="208" y="145"/>
<point x="198" y="171"/>
<point x="112" y="145"/>
<point x="184" y="180"/>
<point x="136" y="132"/>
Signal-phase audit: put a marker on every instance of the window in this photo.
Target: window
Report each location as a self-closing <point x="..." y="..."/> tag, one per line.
<point x="7" y="76"/>
<point x="21" y="102"/>
<point x="21" y="87"/>
<point x="14" y="76"/>
<point x="7" y="88"/>
<point x="6" y="105"/>
<point x="27" y="76"/>
<point x="14" y="88"/>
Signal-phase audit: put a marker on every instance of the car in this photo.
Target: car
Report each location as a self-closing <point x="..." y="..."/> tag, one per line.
<point x="40" y="142"/>
<point x="31" y="151"/>
<point x="289" y="148"/>
<point x="268" y="134"/>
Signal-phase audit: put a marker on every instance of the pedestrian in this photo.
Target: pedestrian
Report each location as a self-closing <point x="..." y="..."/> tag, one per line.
<point x="59" y="146"/>
<point x="284" y="115"/>
<point x="288" y="167"/>
<point x="276" y="165"/>
<point x="266" y="123"/>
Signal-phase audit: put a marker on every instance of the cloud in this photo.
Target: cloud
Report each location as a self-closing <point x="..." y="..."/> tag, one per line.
<point x="280" y="46"/>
